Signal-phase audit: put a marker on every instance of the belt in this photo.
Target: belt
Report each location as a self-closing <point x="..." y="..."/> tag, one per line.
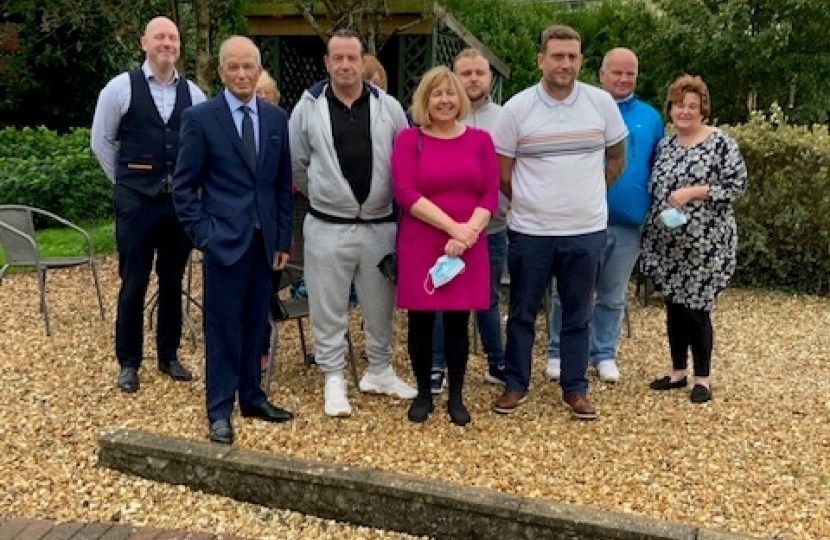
<point x="391" y="218"/>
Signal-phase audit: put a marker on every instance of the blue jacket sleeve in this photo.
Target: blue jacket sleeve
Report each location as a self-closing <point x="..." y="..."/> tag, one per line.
<point x="188" y="179"/>
<point x="284" y="191"/>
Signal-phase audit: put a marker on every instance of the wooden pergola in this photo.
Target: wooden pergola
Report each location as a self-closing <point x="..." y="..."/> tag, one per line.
<point x="412" y="36"/>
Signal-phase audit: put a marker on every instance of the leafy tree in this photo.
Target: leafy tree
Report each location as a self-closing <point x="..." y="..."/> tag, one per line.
<point x="204" y="24"/>
<point x="58" y="51"/>
<point x="56" y="55"/>
<point x="751" y="53"/>
<point x="754" y="52"/>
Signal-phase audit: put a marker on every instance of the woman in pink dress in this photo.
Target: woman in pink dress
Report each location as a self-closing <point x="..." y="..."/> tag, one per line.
<point x="445" y="181"/>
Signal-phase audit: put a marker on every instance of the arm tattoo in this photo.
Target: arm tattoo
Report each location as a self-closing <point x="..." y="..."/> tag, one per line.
<point x="614" y="162"/>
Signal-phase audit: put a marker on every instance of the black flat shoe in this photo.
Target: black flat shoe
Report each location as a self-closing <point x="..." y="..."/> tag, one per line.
<point x="700" y="394"/>
<point x="459" y="415"/>
<point x="666" y="383"/>
<point x="268" y="412"/>
<point x="127" y="380"/>
<point x="221" y="432"/>
<point x="420" y="409"/>
<point x="176" y="371"/>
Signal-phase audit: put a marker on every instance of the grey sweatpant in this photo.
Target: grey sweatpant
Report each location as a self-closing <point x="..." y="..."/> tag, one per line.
<point x="336" y="255"/>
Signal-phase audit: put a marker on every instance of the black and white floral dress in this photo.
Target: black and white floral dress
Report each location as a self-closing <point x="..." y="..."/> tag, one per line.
<point x="692" y="264"/>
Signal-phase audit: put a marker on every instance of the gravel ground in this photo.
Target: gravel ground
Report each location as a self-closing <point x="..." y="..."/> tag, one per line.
<point x="756" y="460"/>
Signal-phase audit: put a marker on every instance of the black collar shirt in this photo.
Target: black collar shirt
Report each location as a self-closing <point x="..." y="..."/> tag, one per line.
<point x="351" y="130"/>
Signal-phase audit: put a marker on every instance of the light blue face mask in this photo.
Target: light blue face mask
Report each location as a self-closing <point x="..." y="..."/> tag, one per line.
<point x="442" y="272"/>
<point x="672" y="218"/>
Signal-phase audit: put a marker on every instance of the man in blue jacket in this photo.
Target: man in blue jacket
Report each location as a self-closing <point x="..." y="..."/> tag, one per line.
<point x="628" y="201"/>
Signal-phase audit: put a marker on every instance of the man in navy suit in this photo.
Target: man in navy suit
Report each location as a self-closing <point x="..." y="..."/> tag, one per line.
<point x="234" y="150"/>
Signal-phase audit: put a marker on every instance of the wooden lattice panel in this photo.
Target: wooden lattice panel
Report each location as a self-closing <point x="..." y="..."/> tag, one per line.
<point x="295" y="62"/>
<point x="415" y="59"/>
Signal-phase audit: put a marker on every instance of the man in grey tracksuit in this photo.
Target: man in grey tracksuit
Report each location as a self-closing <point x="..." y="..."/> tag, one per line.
<point x="342" y="132"/>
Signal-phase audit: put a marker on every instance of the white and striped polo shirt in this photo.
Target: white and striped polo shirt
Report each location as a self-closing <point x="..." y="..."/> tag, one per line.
<point x="559" y="174"/>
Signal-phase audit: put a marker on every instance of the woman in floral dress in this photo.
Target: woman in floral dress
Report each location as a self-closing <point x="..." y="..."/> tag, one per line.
<point x="697" y="175"/>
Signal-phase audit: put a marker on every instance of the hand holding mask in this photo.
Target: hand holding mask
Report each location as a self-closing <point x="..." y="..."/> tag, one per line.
<point x="442" y="272"/>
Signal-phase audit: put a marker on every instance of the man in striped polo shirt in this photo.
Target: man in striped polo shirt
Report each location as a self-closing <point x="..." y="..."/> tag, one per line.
<point x="561" y="143"/>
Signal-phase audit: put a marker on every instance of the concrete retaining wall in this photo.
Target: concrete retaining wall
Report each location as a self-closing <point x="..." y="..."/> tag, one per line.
<point x="375" y="498"/>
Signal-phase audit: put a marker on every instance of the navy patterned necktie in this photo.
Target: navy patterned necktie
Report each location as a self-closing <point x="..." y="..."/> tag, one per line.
<point x="248" y="141"/>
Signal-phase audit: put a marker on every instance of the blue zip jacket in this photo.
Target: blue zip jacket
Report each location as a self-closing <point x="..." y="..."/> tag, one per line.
<point x="628" y="198"/>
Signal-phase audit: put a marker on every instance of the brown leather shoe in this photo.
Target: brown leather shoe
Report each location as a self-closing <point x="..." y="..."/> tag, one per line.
<point x="508" y="401"/>
<point x="580" y="407"/>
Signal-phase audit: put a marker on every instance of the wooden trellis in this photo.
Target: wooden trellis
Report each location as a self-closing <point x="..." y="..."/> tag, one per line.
<point x="422" y="33"/>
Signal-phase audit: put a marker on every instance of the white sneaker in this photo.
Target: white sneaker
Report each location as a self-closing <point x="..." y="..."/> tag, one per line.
<point x="608" y="372"/>
<point x="387" y="383"/>
<point x="337" y="404"/>
<point x="554" y="369"/>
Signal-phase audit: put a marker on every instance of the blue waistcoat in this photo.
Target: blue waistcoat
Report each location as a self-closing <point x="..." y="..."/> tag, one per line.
<point x="149" y="146"/>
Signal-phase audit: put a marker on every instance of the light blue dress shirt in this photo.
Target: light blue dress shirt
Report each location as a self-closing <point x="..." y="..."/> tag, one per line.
<point x="236" y="113"/>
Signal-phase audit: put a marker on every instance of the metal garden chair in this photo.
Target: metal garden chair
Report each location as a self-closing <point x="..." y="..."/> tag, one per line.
<point x="19" y="243"/>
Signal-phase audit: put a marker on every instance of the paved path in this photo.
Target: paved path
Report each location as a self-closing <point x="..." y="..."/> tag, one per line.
<point x="40" y="529"/>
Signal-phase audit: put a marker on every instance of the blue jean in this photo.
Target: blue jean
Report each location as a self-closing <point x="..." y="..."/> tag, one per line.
<point x="489" y="320"/>
<point x="533" y="261"/>
<point x="621" y="252"/>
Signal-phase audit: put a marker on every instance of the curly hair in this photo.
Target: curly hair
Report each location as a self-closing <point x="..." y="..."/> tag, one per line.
<point x="688" y="84"/>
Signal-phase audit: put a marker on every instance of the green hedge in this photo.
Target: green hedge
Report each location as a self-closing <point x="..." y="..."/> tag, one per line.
<point x="55" y="172"/>
<point x="784" y="218"/>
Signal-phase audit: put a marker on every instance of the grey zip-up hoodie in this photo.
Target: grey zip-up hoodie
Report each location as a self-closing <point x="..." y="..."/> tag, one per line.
<point x="315" y="165"/>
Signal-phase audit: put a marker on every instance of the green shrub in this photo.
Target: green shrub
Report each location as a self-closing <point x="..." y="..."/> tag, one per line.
<point x="784" y="218"/>
<point x="55" y="172"/>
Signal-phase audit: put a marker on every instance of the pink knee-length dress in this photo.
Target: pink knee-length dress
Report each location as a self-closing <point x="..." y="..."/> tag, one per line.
<point x="458" y="175"/>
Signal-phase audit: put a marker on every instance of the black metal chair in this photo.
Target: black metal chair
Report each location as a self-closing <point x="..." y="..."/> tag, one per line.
<point x="643" y="284"/>
<point x="188" y="301"/>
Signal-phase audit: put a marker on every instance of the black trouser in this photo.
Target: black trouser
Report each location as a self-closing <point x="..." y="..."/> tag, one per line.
<point x="689" y="328"/>
<point x="456" y="349"/>
<point x="147" y="227"/>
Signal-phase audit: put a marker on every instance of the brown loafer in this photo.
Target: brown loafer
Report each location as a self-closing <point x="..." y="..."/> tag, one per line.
<point x="508" y="401"/>
<point x="580" y="407"/>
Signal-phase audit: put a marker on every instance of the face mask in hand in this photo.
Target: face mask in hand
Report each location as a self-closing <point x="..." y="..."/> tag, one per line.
<point x="442" y="272"/>
<point x="673" y="218"/>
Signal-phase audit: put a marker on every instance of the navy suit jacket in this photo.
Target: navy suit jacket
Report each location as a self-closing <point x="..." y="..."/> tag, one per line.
<point x="218" y="196"/>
